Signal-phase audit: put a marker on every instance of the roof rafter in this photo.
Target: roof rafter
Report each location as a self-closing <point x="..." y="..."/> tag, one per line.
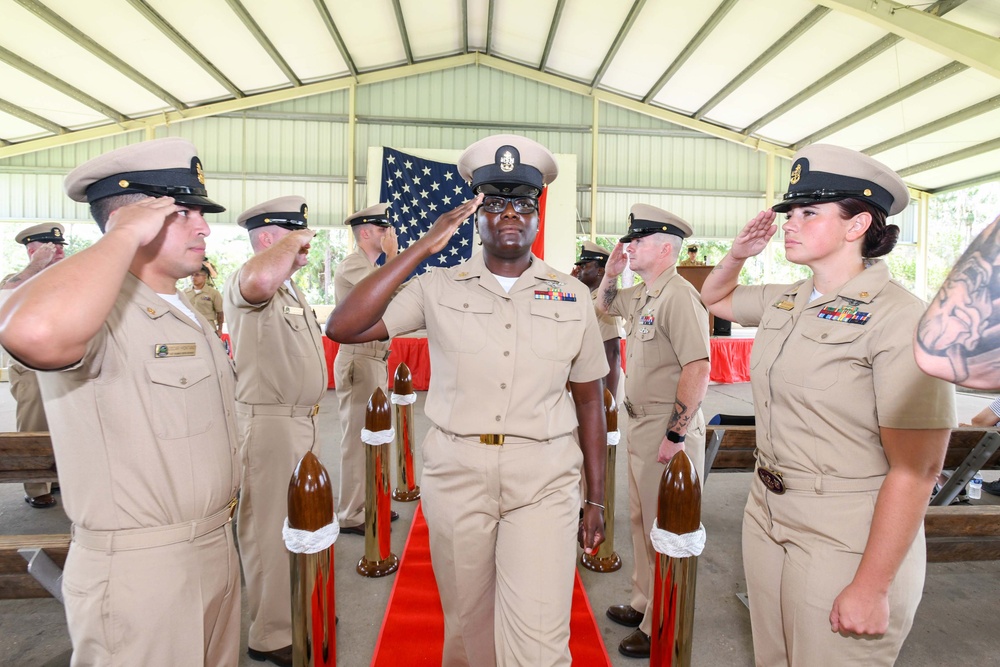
<point x="95" y="49"/>
<point x="909" y="90"/>
<point x="553" y="27"/>
<point x="189" y="50"/>
<point x="33" y="118"/>
<point x="703" y="32"/>
<point x="331" y="27"/>
<point x="401" y="23"/>
<point x="465" y="26"/>
<point x="56" y="83"/>
<point x="258" y="34"/>
<point x="491" y="8"/>
<point x="975" y="49"/>
<point x="935" y="125"/>
<point x="879" y="47"/>
<point x="772" y="52"/>
<point x="965" y="153"/>
<point x="633" y="13"/>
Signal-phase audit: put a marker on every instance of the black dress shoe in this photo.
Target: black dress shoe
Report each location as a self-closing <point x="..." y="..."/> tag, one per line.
<point x="281" y="656"/>
<point x="636" y="645"/>
<point x="40" y="502"/>
<point x="360" y="530"/>
<point x="624" y="614"/>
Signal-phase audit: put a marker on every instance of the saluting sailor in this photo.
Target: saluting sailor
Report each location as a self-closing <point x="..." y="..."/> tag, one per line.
<point x="850" y="434"/>
<point x="139" y="402"/>
<point x="500" y="485"/>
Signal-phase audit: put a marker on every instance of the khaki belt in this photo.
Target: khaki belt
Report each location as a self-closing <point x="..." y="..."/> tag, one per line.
<point x="365" y="352"/>
<point x="277" y="410"/>
<point x="148" y="538"/>
<point x="495" y="439"/>
<point x="651" y="409"/>
<point x="825" y="483"/>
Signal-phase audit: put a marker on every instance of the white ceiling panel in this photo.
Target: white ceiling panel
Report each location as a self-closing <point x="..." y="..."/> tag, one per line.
<point x="151" y="78"/>
<point x="958" y="172"/>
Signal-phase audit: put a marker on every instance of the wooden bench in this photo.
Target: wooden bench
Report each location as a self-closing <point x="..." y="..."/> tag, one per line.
<point x="953" y="533"/>
<point x="27" y="457"/>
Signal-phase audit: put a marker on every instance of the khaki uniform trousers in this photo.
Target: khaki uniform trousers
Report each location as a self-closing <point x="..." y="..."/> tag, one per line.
<point x="127" y="607"/>
<point x="503" y="527"/>
<point x="800" y="549"/>
<point x="645" y="433"/>
<point x="272" y="441"/>
<point x="30" y="415"/>
<point x="357" y="374"/>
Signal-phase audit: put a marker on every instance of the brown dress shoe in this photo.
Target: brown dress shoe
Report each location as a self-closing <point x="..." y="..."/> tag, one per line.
<point x="360" y="530"/>
<point x="624" y="614"/>
<point x="40" y="502"/>
<point x="281" y="656"/>
<point x="636" y="645"/>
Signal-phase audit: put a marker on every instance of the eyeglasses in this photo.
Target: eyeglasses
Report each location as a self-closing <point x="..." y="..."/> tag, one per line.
<point x="497" y="204"/>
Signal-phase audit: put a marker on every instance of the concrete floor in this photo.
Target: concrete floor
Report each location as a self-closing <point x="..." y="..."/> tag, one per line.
<point x="956" y="623"/>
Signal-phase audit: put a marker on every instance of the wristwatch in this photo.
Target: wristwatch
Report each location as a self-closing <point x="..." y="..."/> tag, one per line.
<point x="674" y="436"/>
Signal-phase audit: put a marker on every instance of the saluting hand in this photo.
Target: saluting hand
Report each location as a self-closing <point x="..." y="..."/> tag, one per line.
<point x="144" y="218"/>
<point x="300" y="241"/>
<point x="43" y="256"/>
<point x="617" y="261"/>
<point x="447" y="224"/>
<point x="390" y="244"/>
<point x="754" y="237"/>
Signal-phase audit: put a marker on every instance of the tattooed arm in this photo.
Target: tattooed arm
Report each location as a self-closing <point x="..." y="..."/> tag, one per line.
<point x="717" y="291"/>
<point x="691" y="388"/>
<point x="42" y="257"/>
<point x="958" y="338"/>
<point x="608" y="290"/>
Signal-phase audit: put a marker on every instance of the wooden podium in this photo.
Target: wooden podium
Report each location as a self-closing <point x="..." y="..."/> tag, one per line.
<point x="696" y="276"/>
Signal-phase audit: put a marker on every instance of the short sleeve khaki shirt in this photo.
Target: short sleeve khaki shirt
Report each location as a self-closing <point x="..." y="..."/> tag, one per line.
<point x="827" y="374"/>
<point x="143" y="426"/>
<point x="667" y="328"/>
<point x="610" y="326"/>
<point x="349" y="273"/>
<point x="501" y="360"/>
<point x="277" y="347"/>
<point x="207" y="301"/>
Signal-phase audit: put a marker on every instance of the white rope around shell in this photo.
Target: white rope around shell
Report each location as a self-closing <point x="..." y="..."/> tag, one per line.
<point x="678" y="546"/>
<point x="614" y="437"/>
<point x="377" y="437"/>
<point x="403" y="399"/>
<point x="310" y="542"/>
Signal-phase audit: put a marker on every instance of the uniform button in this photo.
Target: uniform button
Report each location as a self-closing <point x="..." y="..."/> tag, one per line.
<point x="506" y="354"/>
<point x="503" y="385"/>
<point x="498" y="417"/>
<point x="557" y="316"/>
<point x="465" y="305"/>
<point x="506" y="326"/>
<point x="823" y="336"/>
<point x="184" y="380"/>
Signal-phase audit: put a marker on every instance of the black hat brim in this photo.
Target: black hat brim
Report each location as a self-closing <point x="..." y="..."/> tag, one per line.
<point x="206" y="204"/>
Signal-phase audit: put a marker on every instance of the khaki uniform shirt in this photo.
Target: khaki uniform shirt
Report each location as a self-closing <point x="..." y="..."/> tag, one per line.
<point x="823" y="387"/>
<point x="208" y="302"/>
<point x="143" y="426"/>
<point x="349" y="273"/>
<point x="667" y="328"/>
<point x="609" y="325"/>
<point x="24" y="388"/>
<point x="501" y="361"/>
<point x="277" y="347"/>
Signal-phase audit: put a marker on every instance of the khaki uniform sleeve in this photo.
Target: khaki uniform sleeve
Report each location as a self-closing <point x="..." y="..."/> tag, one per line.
<point x="619" y="307"/>
<point x="686" y="325"/>
<point x="750" y="301"/>
<point x="590" y="362"/>
<point x="905" y="397"/>
<point x="353" y="270"/>
<point x="217" y="302"/>
<point x="405" y="312"/>
<point x="234" y="297"/>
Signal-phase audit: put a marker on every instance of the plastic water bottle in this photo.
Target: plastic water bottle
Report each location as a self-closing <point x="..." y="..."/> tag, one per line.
<point x="976" y="487"/>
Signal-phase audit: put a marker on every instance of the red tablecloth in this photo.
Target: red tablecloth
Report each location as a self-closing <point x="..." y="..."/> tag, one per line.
<point x="730" y="359"/>
<point x="412" y="351"/>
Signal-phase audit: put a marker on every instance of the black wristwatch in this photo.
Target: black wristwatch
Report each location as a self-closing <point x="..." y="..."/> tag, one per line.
<point x="674" y="436"/>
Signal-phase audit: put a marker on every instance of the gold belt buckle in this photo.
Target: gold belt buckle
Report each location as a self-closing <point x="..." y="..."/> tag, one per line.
<point x="772" y="480"/>
<point x="491" y="438"/>
<point x="315" y="410"/>
<point x="232" y="507"/>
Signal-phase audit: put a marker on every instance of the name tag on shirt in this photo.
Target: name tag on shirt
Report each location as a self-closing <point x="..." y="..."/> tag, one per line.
<point x="161" y="350"/>
<point x="293" y="310"/>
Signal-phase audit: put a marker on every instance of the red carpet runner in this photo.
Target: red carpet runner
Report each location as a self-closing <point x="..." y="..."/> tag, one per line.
<point x="413" y="628"/>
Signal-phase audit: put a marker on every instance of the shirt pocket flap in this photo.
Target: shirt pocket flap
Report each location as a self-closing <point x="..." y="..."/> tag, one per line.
<point x="551" y="310"/>
<point x="835" y="335"/>
<point x="178" y="373"/>
<point x="466" y="303"/>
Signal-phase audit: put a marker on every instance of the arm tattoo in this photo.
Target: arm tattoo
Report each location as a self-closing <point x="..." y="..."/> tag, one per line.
<point x="963" y="320"/>
<point x="609" y="295"/>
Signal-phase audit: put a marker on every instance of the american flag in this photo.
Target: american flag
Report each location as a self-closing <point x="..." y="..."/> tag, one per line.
<point x="418" y="191"/>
